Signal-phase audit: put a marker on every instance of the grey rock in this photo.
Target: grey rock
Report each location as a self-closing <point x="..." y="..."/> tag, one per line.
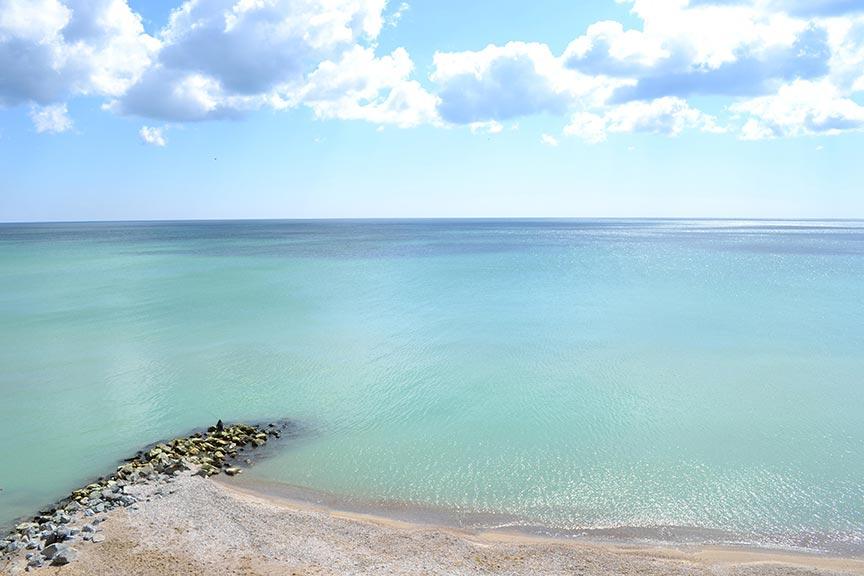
<point x="89" y="512"/>
<point x="35" y="562"/>
<point x="88" y="528"/>
<point x="100" y="507"/>
<point x="64" y="557"/>
<point x="13" y="546"/>
<point x="98" y="538"/>
<point x="73" y="506"/>
<point x="59" y="535"/>
<point x="53" y="549"/>
<point x="62" y="518"/>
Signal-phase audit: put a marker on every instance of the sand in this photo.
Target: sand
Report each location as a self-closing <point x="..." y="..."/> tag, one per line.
<point x="208" y="527"/>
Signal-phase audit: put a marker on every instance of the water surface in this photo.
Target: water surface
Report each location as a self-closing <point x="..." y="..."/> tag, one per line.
<point x="566" y="373"/>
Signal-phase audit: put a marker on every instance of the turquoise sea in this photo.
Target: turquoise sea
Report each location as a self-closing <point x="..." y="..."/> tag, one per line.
<point x="665" y="376"/>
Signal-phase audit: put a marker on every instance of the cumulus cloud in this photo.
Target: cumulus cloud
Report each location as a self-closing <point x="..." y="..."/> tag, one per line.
<point x="612" y="79"/>
<point x="727" y="49"/>
<point x="668" y="115"/>
<point x="153" y="136"/>
<point x="763" y="61"/>
<point x="224" y="58"/>
<point x="52" y="119"/>
<point x="501" y="82"/>
<point x="51" y="50"/>
<point x="800" y="108"/>
<point x="361" y="86"/>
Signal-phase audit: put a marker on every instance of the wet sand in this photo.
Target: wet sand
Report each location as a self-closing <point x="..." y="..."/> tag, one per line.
<point x="208" y="527"/>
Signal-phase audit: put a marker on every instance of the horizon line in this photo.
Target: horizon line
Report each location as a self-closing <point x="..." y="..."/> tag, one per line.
<point x="434" y="218"/>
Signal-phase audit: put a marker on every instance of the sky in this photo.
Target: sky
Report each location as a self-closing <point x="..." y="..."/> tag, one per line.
<point x="173" y="109"/>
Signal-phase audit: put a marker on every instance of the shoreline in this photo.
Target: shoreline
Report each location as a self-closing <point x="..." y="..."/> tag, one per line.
<point x="180" y="507"/>
<point x="672" y="537"/>
<point x="693" y="551"/>
<point x="204" y="527"/>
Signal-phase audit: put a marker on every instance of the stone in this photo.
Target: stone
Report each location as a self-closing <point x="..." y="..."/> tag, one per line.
<point x="97" y="537"/>
<point x="88" y="528"/>
<point x="59" y="535"/>
<point x="232" y="471"/>
<point x="64" y="557"/>
<point x="35" y="562"/>
<point x="52" y="550"/>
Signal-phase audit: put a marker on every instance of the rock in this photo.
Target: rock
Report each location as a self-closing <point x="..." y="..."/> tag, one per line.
<point x="13" y="546"/>
<point x="35" y="562"/>
<point x="59" y="535"/>
<point x="88" y="528"/>
<point x="232" y="471"/>
<point x="97" y="537"/>
<point x="52" y="550"/>
<point x="219" y="426"/>
<point x="73" y="506"/>
<point x="64" y="557"/>
<point x="89" y="512"/>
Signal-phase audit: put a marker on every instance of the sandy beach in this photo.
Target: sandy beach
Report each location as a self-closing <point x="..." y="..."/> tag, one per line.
<point x="201" y="526"/>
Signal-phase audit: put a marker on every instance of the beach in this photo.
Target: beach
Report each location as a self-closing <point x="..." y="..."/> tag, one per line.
<point x="211" y="527"/>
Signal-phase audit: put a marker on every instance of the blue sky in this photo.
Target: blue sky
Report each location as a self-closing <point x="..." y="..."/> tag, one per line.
<point x="362" y="108"/>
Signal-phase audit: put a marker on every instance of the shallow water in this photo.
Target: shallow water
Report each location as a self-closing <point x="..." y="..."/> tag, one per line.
<point x="572" y="374"/>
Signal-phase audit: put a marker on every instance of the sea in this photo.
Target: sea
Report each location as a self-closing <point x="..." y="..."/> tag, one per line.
<point x="695" y="380"/>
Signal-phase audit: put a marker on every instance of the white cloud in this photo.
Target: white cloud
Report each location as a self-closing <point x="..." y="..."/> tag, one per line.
<point x="501" y="82"/>
<point x="52" y="50"/>
<point x="221" y="59"/>
<point x="153" y="136"/>
<point x="396" y="15"/>
<point x="798" y="109"/>
<point x="52" y="119"/>
<point x="668" y="115"/>
<point x="549" y="140"/>
<point x="489" y="127"/>
<point x="783" y="68"/>
<point x="361" y="86"/>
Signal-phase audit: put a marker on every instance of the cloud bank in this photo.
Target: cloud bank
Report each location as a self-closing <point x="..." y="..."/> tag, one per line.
<point x="768" y="68"/>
